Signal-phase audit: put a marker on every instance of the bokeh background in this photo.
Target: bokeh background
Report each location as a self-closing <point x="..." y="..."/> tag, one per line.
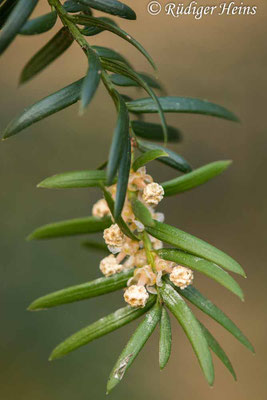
<point x="223" y="59"/>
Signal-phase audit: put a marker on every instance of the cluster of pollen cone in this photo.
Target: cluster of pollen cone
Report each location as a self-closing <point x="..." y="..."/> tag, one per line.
<point x="127" y="253"/>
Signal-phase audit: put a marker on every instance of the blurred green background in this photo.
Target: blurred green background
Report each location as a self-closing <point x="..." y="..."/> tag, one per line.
<point x="223" y="59"/>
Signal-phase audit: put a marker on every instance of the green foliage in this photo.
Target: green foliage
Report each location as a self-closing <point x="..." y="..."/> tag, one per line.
<point x="75" y="179"/>
<point x="151" y="131"/>
<point x="92" y="79"/>
<point x="195" y="178"/>
<point x="216" y="348"/>
<point x="150" y="155"/>
<point x="123" y="176"/>
<point x="114" y="66"/>
<point x="40" y="24"/>
<point x="108" y="54"/>
<point x="192" y="329"/>
<point x="43" y="108"/>
<point x="181" y="105"/>
<point x="120" y="139"/>
<point x="134" y="346"/>
<point x="141" y="212"/>
<point x="84" y="291"/>
<point x="95" y="30"/>
<point x="73" y="6"/>
<point x="5" y="10"/>
<point x="200" y="301"/>
<point x="104" y="25"/>
<point x="17" y="15"/>
<point x="121" y="80"/>
<point x="208" y="268"/>
<point x="113" y="7"/>
<point x="165" y="339"/>
<point x="72" y="227"/>
<point x="100" y="328"/>
<point x="50" y="52"/>
<point x="193" y="245"/>
<point x="115" y="72"/>
<point x="173" y="160"/>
